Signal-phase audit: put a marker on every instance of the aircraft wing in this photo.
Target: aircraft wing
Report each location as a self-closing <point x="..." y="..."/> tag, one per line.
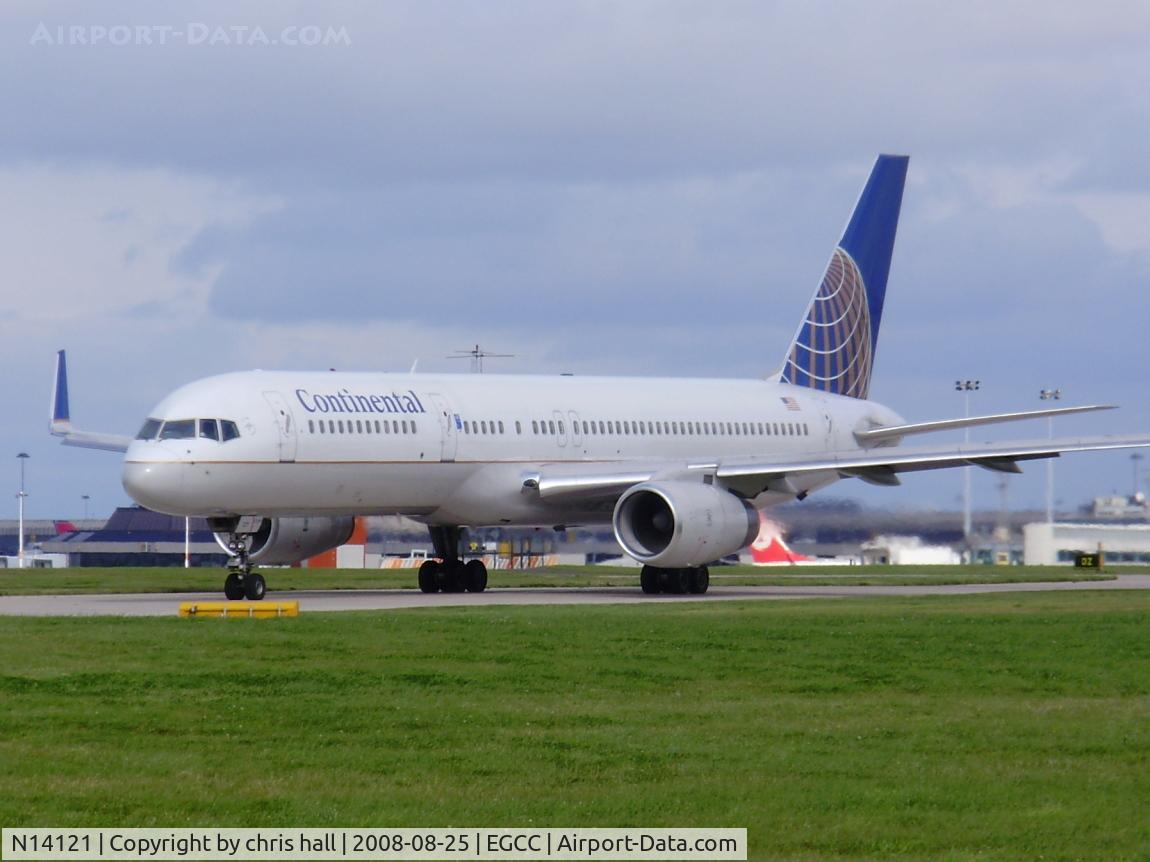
<point x="752" y="476"/>
<point x="61" y="424"/>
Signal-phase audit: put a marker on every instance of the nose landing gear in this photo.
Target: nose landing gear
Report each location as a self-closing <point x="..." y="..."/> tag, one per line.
<point x="242" y="582"/>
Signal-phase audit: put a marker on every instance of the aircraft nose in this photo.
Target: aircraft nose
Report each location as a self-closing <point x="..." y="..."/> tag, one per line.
<point x="156" y="486"/>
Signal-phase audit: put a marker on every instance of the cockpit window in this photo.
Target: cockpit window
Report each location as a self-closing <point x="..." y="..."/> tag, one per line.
<point x="150" y="429"/>
<point x="210" y="429"/>
<point x="178" y="429"/>
<point x="228" y="430"/>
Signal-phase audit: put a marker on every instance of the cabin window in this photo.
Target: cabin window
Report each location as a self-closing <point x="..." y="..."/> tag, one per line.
<point x="518" y="427"/>
<point x="551" y="426"/>
<point x="500" y="426"/>
<point x="602" y="427"/>
<point x="358" y="426"/>
<point x="534" y="427"/>
<point x="178" y="429"/>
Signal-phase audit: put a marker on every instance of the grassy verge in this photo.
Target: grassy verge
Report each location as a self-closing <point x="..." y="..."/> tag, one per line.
<point x="991" y="727"/>
<point x="176" y="580"/>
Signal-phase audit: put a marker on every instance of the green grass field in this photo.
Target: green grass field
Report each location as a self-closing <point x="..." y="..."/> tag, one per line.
<point x="149" y="580"/>
<point x="986" y="727"/>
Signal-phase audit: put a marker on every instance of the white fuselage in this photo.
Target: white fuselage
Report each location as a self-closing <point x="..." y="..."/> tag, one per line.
<point x="454" y="449"/>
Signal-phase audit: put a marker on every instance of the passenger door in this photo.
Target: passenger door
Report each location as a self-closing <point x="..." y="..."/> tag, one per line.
<point x="448" y="428"/>
<point x="285" y="425"/>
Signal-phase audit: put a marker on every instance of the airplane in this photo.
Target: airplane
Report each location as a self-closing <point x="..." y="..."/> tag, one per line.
<point x="281" y="462"/>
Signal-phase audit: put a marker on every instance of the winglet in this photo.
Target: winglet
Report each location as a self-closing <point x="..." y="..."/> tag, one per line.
<point x="61" y="419"/>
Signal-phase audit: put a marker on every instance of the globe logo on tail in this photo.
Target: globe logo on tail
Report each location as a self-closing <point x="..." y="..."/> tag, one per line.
<point x="832" y="351"/>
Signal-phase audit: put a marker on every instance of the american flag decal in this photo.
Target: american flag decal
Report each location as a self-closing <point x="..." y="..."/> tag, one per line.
<point x="791" y="404"/>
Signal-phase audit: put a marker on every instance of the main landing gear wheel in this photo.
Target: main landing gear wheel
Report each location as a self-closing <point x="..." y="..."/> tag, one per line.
<point x="694" y="580"/>
<point x="452" y="575"/>
<point x="475" y="576"/>
<point x="429" y="577"/>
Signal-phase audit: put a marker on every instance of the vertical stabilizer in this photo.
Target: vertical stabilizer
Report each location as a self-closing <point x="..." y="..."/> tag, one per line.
<point x="834" y="348"/>
<point x="60" y="413"/>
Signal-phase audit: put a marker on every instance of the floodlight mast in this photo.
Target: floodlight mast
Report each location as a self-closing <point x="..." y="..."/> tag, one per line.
<point x="966" y="387"/>
<point x="22" y="457"/>
<point x="1050" y="395"/>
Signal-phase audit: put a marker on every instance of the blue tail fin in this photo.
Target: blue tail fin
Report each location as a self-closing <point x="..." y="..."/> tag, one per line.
<point x="60" y="391"/>
<point x="834" y="349"/>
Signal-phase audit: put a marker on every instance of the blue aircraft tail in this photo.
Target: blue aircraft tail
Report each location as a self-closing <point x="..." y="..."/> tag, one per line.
<point x="834" y="348"/>
<point x="60" y="412"/>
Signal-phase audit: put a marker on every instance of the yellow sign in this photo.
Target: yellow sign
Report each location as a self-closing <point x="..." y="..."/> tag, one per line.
<point x="248" y="610"/>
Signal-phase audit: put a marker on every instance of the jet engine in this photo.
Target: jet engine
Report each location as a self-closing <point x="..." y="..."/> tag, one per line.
<point x="283" y="541"/>
<point x="677" y="524"/>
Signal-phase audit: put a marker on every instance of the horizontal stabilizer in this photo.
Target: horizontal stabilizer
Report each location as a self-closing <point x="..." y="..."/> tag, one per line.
<point x="91" y="440"/>
<point x="61" y="421"/>
<point x="905" y="459"/>
<point x="894" y="432"/>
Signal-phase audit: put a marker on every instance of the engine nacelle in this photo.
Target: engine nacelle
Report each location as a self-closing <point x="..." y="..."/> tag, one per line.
<point x="283" y="541"/>
<point x="678" y="524"/>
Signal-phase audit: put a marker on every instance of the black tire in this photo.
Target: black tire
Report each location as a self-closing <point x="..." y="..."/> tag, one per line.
<point x="475" y="576"/>
<point x="649" y="580"/>
<point x="255" y="587"/>
<point x="451" y="577"/>
<point x="429" y="577"/>
<point x="700" y="580"/>
<point x="233" y="587"/>
<point x="679" y="581"/>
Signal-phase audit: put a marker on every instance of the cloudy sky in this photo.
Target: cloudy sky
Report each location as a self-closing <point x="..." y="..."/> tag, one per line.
<point x="601" y="188"/>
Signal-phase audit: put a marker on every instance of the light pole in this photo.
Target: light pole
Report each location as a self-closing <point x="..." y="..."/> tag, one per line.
<point x="966" y="387"/>
<point x="21" y="457"/>
<point x="1050" y="395"/>
<point x="85" y="498"/>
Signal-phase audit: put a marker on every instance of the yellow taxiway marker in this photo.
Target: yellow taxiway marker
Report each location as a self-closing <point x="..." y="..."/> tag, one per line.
<point x="247" y="610"/>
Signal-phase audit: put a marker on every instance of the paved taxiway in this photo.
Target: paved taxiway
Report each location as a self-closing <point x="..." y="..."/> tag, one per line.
<point x="166" y="604"/>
